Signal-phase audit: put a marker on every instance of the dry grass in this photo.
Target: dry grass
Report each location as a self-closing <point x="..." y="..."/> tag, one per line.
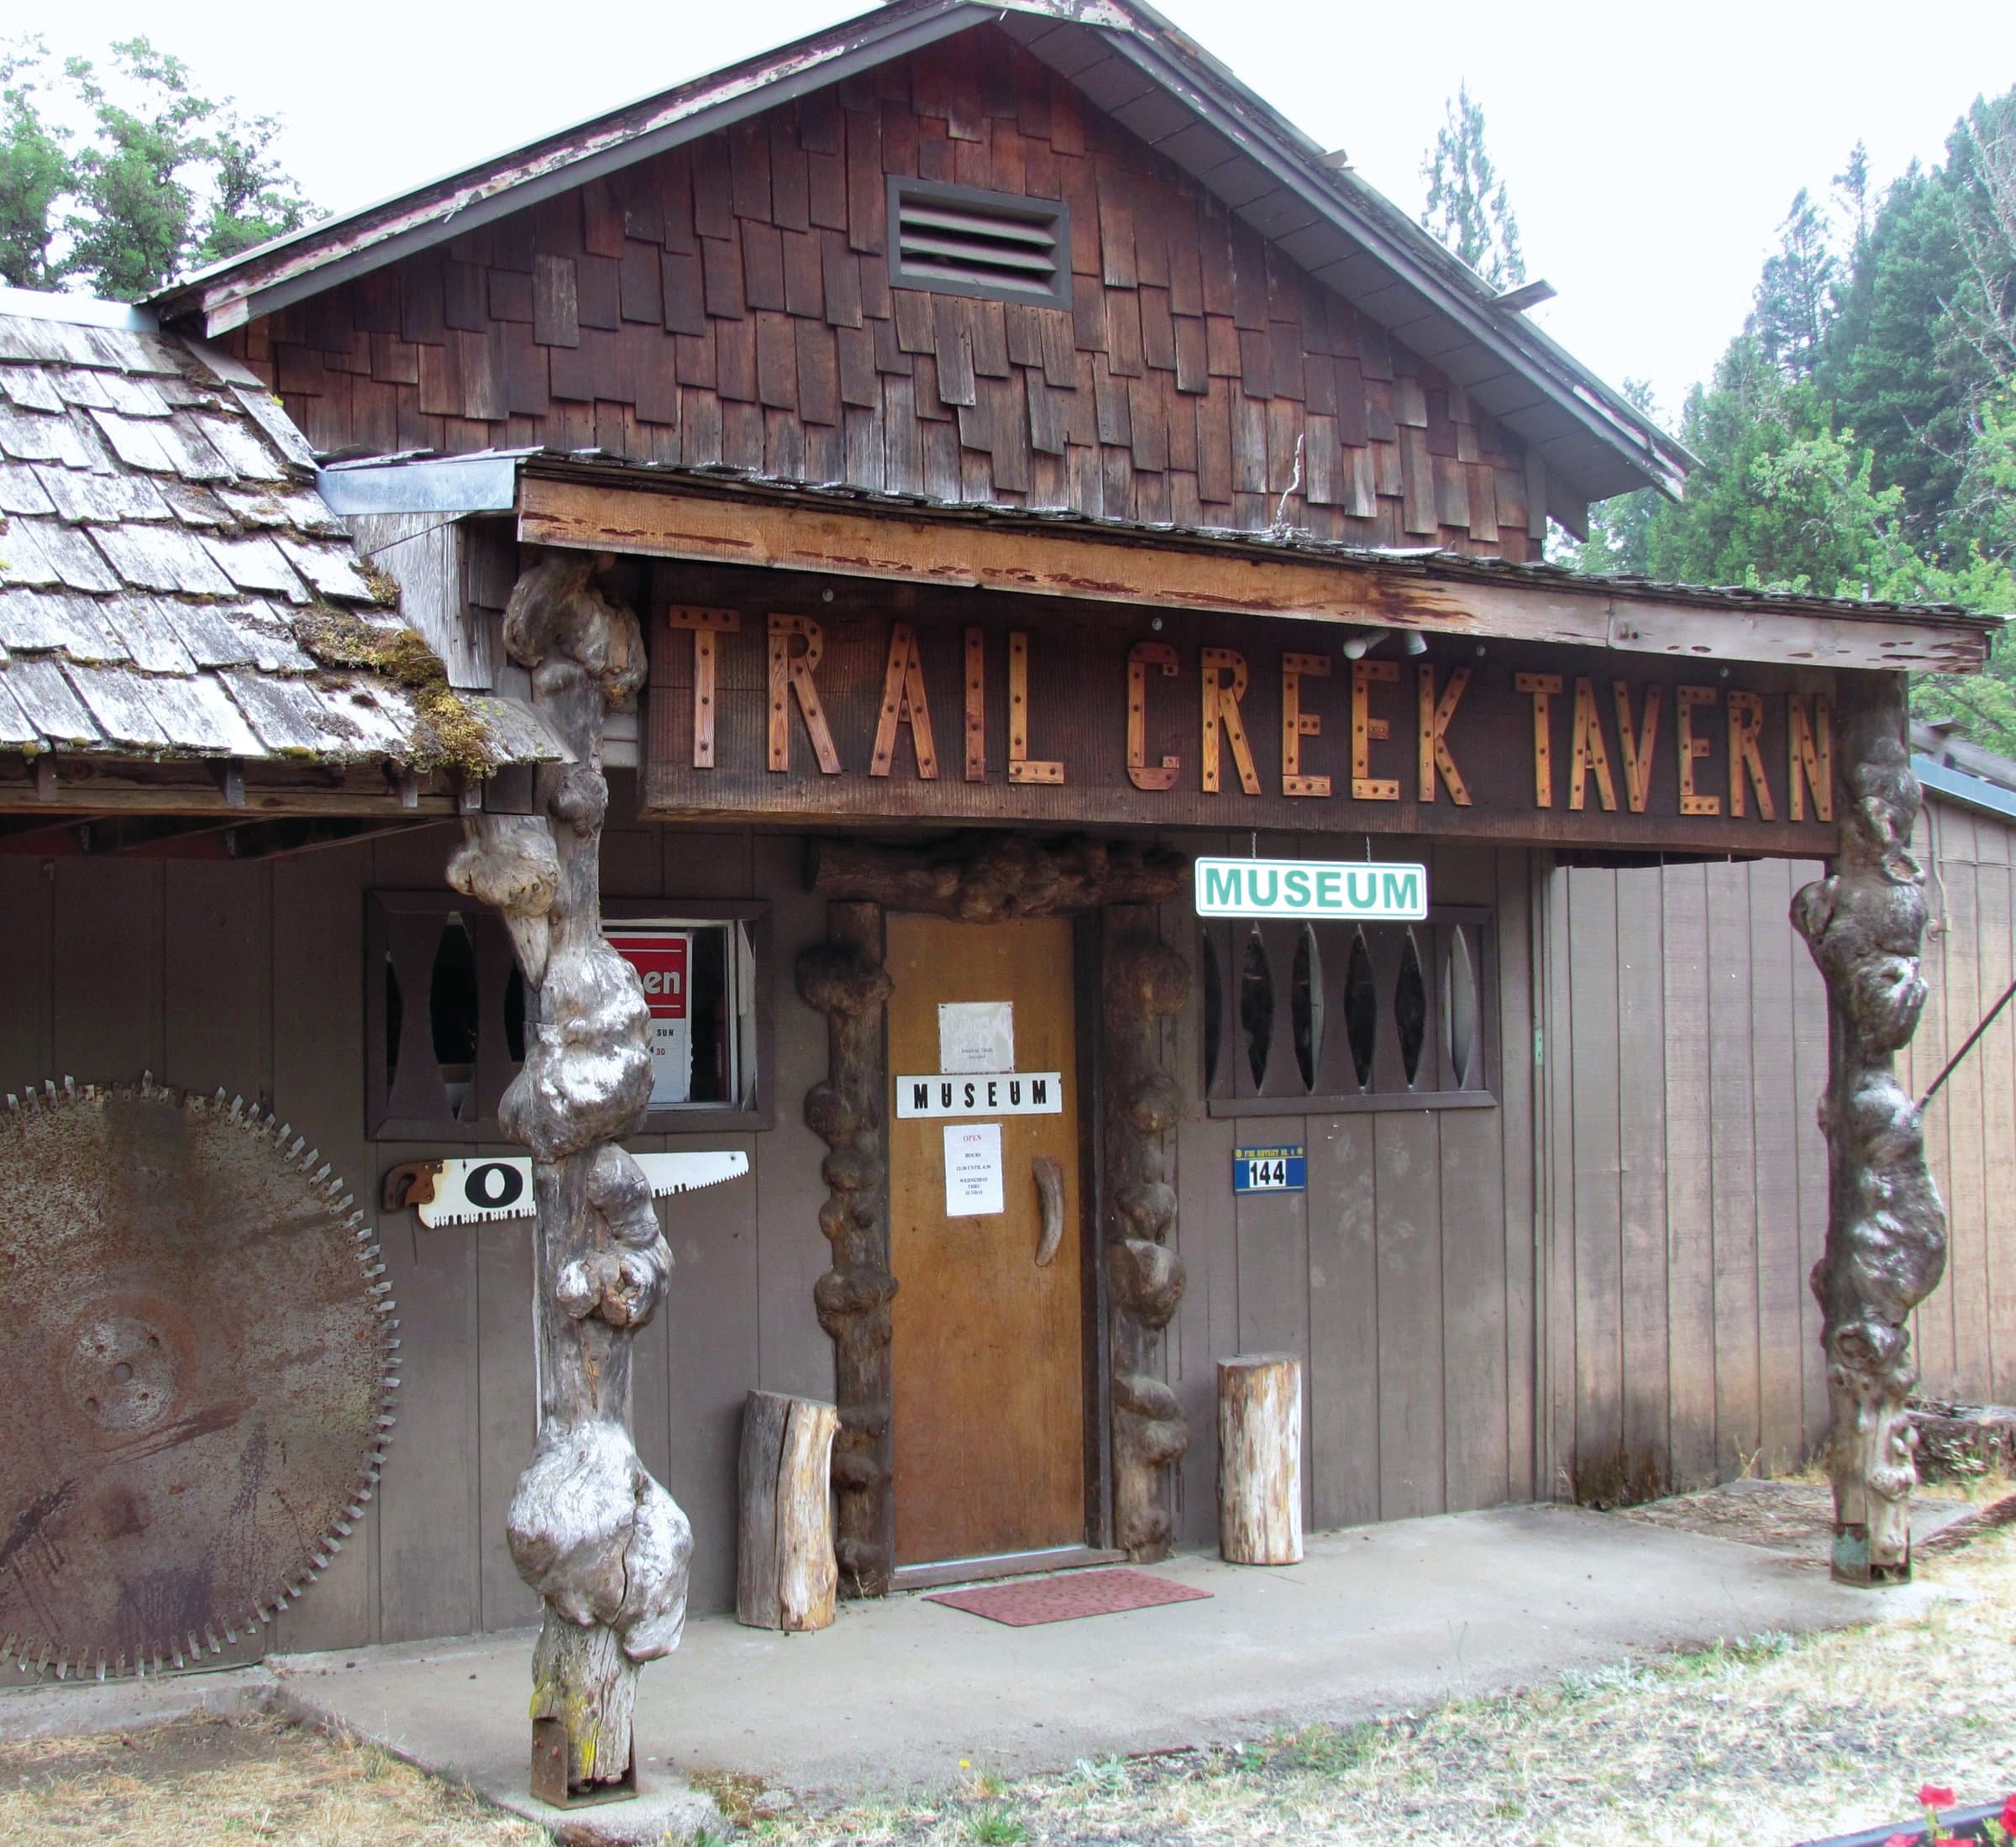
<point x="1767" y="1741"/>
<point x="1761" y="1741"/>
<point x="209" y="1781"/>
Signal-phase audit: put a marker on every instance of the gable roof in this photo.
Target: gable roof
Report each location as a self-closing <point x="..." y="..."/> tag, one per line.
<point x="1128" y="61"/>
<point x="172" y="585"/>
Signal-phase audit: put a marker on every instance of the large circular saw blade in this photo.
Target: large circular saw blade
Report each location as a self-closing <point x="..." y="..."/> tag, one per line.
<point x="198" y="1374"/>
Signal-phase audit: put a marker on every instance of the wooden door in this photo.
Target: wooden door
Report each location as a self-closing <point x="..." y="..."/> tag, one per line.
<point x="989" y="1353"/>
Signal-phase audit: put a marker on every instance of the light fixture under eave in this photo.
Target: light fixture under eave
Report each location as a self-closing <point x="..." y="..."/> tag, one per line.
<point x="1356" y="646"/>
<point x="1415" y="642"/>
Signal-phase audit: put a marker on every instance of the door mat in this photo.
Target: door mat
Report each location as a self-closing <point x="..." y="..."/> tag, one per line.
<point x="1061" y="1600"/>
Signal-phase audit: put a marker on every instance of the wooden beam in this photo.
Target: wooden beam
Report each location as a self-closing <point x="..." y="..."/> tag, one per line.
<point x="1040" y="560"/>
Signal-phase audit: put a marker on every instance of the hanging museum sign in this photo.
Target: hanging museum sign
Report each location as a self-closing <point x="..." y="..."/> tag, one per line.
<point x="1065" y="716"/>
<point x="1311" y="888"/>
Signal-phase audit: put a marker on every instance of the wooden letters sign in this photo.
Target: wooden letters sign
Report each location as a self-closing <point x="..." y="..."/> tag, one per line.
<point x="1068" y="718"/>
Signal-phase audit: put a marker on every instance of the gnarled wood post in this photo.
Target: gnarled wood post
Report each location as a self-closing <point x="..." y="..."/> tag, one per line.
<point x="601" y="1541"/>
<point x="843" y="977"/>
<point x="1144" y="981"/>
<point x="1886" y="1250"/>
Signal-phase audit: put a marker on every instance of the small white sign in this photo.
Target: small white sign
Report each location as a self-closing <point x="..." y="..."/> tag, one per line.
<point x="976" y="1035"/>
<point x="973" y="1170"/>
<point x="982" y="1094"/>
<point x="1311" y="888"/>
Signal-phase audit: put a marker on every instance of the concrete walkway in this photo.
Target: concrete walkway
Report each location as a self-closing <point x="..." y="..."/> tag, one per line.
<point x="906" y="1692"/>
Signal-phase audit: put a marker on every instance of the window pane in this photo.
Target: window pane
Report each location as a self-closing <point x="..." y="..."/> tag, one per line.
<point x="1256" y="1007"/>
<point x="1410" y="1008"/>
<point x="1360" y="1010"/>
<point x="1462" y="1009"/>
<point x="1306" y="1006"/>
<point x="451" y="1009"/>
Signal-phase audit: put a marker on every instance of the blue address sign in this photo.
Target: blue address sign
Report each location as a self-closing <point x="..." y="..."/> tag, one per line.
<point x="1284" y="1169"/>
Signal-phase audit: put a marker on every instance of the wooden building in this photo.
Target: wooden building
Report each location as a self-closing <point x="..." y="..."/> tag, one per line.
<point x="1037" y="467"/>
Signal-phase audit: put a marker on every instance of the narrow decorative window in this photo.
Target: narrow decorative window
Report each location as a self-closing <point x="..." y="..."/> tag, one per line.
<point x="959" y="240"/>
<point x="1383" y="1015"/>
<point x="446" y="1007"/>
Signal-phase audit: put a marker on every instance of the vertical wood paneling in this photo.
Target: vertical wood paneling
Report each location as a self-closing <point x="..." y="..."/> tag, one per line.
<point x="1556" y="1099"/>
<point x="1732" y="1182"/>
<point x="1932" y="1324"/>
<point x="1781" y="1283"/>
<point x="1996" y="916"/>
<point x="1408" y="1180"/>
<point x="1472" y="1211"/>
<point x="430" y="1503"/>
<point x="1690" y="1224"/>
<point x="507" y="1410"/>
<point x="1517" y="1016"/>
<point x="1642" y="1178"/>
<point x="317" y="982"/>
<point x="1961" y="1103"/>
<point x="27" y="994"/>
<point x="217" y="998"/>
<point x="1600" y="1467"/>
<point x="107" y="987"/>
<point x="1343" y="1388"/>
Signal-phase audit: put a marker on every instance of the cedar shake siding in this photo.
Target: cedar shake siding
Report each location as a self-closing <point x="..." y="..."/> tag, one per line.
<point x="729" y="303"/>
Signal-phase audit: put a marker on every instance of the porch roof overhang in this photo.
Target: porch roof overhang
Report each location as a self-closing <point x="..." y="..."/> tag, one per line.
<point x="718" y="516"/>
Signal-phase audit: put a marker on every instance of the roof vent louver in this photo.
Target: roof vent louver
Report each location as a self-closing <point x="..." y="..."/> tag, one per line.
<point x="959" y="240"/>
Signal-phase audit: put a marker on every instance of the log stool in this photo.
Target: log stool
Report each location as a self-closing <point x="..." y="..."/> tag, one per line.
<point x="1260" y="1460"/>
<point x="785" y="1575"/>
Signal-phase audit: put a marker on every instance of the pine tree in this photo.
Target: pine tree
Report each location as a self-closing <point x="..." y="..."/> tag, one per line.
<point x="162" y="179"/>
<point x="1467" y="208"/>
<point x="1795" y="294"/>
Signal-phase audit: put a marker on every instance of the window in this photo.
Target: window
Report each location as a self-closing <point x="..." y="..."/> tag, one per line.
<point x="446" y="1014"/>
<point x="959" y="240"/>
<point x="1311" y="1019"/>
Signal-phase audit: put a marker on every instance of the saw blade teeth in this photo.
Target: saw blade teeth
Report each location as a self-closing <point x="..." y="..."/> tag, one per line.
<point x="70" y="1084"/>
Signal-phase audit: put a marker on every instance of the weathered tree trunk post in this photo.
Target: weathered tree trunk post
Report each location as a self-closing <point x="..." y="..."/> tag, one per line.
<point x="785" y="1575"/>
<point x="1260" y="1460"/>
<point x="601" y="1541"/>
<point x="1145" y="981"/>
<point x="843" y="977"/>
<point x="1886" y="1250"/>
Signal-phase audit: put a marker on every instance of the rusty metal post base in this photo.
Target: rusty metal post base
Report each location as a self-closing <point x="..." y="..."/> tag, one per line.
<point x="549" y="1783"/>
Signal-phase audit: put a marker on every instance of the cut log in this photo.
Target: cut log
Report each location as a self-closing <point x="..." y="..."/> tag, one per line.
<point x="1260" y="1460"/>
<point x="786" y="1574"/>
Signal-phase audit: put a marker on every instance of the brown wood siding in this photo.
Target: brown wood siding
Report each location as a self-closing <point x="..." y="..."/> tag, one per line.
<point x="251" y="977"/>
<point x="1402" y="1278"/>
<point x="730" y="302"/>
<point x="1689" y="1178"/>
<point x="1643" y="1246"/>
<point x="1967" y="1330"/>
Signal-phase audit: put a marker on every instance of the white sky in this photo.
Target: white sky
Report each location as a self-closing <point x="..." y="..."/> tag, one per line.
<point x="1650" y="150"/>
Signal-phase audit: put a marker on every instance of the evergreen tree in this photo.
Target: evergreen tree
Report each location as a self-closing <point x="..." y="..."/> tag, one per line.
<point x="1795" y="295"/>
<point x="1467" y="209"/>
<point x="154" y="177"/>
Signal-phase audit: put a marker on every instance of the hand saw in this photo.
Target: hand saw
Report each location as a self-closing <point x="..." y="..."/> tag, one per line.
<point x="465" y="1191"/>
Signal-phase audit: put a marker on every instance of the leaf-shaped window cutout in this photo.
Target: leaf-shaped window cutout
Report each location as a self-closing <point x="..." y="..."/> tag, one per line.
<point x="1255" y="1007"/>
<point x="1410" y="1008"/>
<point x="451" y="1009"/>
<point x="1306" y="1006"/>
<point x="1360" y="1010"/>
<point x="1214" y="1011"/>
<point x="1460" y="1008"/>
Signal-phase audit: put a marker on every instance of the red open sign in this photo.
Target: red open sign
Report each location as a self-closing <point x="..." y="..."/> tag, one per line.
<point x="659" y="957"/>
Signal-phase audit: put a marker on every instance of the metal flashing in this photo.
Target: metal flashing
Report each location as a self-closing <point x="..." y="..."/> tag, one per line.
<point x="1956" y="785"/>
<point x="487" y="483"/>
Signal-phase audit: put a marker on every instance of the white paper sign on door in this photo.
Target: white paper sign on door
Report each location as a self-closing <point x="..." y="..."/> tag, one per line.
<point x="976" y="1035"/>
<point x="973" y="1170"/>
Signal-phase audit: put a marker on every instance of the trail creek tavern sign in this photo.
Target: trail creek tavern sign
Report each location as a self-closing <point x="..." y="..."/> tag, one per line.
<point x="1063" y="716"/>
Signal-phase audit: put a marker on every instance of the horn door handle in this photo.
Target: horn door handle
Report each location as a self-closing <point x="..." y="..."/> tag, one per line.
<point x="1050" y="1196"/>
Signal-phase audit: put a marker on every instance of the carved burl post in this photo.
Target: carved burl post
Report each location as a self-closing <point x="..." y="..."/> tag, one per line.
<point x="1885" y="1228"/>
<point x="602" y="1542"/>
<point x="844" y="978"/>
<point x="1144" y="981"/>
